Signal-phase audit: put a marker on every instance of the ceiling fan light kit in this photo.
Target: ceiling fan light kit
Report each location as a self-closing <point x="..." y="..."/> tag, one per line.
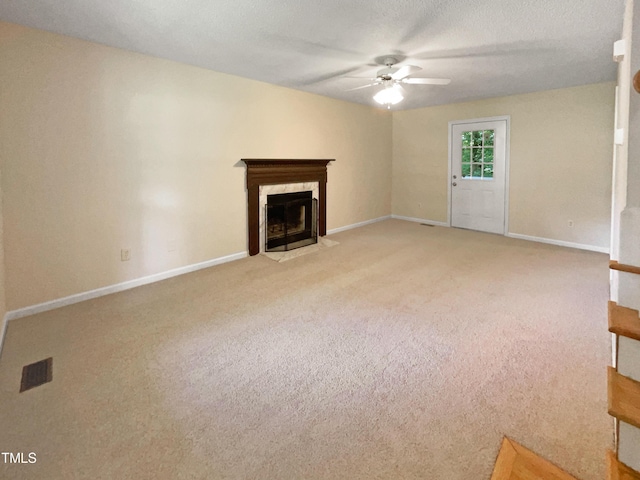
<point x="388" y="96"/>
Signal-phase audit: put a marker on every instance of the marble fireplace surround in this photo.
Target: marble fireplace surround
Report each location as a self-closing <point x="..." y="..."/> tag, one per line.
<point x="283" y="173"/>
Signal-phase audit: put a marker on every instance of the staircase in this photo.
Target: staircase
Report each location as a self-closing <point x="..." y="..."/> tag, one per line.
<point x="619" y="471"/>
<point x="516" y="462"/>
<point x="623" y="391"/>
<point x="624" y="322"/>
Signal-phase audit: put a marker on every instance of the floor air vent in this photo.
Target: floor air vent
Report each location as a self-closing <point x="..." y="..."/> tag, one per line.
<point x="36" y="374"/>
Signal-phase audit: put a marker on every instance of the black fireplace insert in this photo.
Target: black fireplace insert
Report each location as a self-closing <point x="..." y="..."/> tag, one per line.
<point x="291" y="221"/>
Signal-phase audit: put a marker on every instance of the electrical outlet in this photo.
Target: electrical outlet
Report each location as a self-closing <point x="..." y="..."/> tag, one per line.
<point x="125" y="254"/>
<point x="570" y="223"/>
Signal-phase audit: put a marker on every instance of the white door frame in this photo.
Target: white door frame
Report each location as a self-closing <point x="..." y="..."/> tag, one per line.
<point x="506" y="118"/>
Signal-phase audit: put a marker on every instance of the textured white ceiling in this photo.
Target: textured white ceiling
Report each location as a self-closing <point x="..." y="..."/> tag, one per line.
<point x="487" y="48"/>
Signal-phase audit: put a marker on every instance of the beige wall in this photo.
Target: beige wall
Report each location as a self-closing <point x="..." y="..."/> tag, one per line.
<point x="102" y="149"/>
<point x="560" y="161"/>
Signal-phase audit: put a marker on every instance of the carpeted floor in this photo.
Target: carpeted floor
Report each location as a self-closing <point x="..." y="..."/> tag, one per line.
<point x="404" y="352"/>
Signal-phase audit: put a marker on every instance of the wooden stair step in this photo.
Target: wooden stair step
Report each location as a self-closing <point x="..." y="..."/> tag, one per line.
<point x="624" y="321"/>
<point x="624" y="397"/>
<point x="516" y="462"/>
<point x="619" y="471"/>
<point x="623" y="267"/>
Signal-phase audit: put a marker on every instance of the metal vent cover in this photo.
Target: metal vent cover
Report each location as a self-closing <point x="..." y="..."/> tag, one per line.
<point x="36" y="374"/>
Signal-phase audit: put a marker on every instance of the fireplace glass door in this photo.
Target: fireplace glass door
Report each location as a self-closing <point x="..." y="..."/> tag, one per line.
<point x="291" y="221"/>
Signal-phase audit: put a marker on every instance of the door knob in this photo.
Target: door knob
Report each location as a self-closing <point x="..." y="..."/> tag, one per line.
<point x="454" y="184"/>
<point x="454" y="177"/>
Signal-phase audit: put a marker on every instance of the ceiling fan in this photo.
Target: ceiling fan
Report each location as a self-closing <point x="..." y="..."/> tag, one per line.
<point x="392" y="79"/>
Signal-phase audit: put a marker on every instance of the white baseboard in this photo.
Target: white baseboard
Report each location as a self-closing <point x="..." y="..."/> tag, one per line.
<point x="99" y="292"/>
<point x="119" y="287"/>
<point x="421" y="220"/>
<point x="3" y="332"/>
<point x="356" y="225"/>
<point x="560" y="243"/>
<point x="549" y="241"/>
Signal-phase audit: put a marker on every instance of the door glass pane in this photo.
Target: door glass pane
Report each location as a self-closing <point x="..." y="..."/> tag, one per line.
<point x="466" y="139"/>
<point x="466" y="155"/>
<point x="476" y="170"/>
<point x="477" y="155"/>
<point x="477" y="138"/>
<point x="488" y="155"/>
<point x="488" y="137"/>
<point x="466" y="170"/>
<point x="487" y="171"/>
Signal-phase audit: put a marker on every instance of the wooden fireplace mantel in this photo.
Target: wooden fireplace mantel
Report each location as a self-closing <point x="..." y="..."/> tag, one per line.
<point x="262" y="171"/>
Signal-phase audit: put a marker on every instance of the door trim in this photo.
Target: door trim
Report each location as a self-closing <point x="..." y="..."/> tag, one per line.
<point x="507" y="163"/>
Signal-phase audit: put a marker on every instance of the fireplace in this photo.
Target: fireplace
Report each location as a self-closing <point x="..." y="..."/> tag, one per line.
<point x="266" y="177"/>
<point x="290" y="221"/>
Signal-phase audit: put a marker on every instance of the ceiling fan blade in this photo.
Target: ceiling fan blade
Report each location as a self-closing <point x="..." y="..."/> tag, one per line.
<point x="401" y="88"/>
<point x="426" y="81"/>
<point x="362" y="86"/>
<point x="517" y="48"/>
<point x="405" y="72"/>
<point x="332" y="75"/>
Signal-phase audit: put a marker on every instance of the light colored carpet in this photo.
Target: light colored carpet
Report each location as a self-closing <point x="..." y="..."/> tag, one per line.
<point x="405" y="352"/>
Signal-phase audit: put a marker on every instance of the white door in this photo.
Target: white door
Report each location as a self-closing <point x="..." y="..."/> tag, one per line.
<point x="478" y="177"/>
